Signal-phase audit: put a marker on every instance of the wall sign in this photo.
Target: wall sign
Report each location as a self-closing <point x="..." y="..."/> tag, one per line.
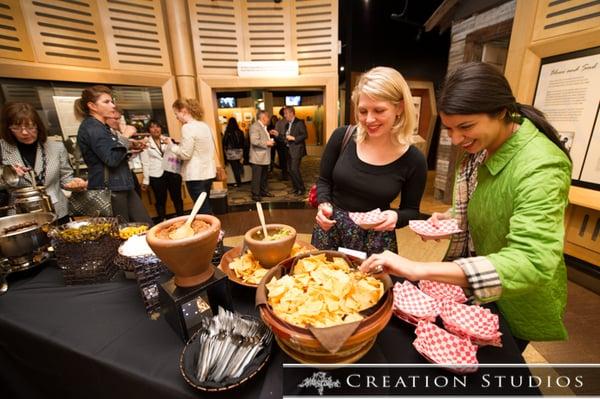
<point x="267" y="69"/>
<point x="567" y="92"/>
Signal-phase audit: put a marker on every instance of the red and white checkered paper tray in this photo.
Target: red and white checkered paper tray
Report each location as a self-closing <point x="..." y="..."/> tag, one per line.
<point x="477" y="323"/>
<point x="412" y="305"/>
<point x="425" y="228"/>
<point x="440" y="347"/>
<point x="443" y="291"/>
<point x="367" y="219"/>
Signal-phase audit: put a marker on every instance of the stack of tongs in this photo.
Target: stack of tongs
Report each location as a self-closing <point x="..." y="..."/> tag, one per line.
<point x="228" y="344"/>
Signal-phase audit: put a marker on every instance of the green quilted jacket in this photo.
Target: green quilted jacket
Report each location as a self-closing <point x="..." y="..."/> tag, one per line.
<point x="516" y="219"/>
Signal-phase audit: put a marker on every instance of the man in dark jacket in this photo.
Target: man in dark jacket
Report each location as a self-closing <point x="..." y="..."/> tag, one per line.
<point x="295" y="135"/>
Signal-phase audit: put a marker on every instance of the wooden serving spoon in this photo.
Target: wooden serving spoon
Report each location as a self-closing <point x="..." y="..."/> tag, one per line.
<point x="185" y="230"/>
<point x="261" y="217"/>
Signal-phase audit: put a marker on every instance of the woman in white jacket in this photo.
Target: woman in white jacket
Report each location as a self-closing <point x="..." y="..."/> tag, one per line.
<point x="197" y="150"/>
<point x="156" y="177"/>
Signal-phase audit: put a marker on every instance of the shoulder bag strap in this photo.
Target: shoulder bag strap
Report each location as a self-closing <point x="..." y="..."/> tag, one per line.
<point x="347" y="136"/>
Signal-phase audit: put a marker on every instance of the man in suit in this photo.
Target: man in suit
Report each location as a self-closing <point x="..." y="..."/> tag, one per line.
<point x="281" y="143"/>
<point x="295" y="135"/>
<point x="260" y="155"/>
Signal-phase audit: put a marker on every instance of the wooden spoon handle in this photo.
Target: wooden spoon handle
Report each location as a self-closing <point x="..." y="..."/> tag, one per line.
<point x="196" y="208"/>
<point x="261" y="217"/>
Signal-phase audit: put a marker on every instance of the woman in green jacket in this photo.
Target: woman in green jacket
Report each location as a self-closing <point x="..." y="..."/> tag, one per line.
<point x="510" y="195"/>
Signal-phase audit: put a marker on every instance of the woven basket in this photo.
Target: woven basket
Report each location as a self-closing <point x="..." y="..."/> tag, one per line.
<point x="86" y="258"/>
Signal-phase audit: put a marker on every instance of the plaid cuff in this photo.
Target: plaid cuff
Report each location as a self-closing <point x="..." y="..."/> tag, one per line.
<point x="483" y="278"/>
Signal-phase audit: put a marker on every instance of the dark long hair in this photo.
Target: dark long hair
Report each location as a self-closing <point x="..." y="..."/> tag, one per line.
<point x="480" y="88"/>
<point x="15" y="113"/>
<point x="233" y="136"/>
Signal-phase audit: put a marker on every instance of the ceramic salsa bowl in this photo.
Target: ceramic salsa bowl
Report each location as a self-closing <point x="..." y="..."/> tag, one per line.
<point x="270" y="252"/>
<point x="190" y="259"/>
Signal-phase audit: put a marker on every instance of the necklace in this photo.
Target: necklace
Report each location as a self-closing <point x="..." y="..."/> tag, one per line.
<point x="40" y="178"/>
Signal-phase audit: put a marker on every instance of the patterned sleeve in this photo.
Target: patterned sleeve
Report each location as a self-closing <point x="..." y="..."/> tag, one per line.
<point x="483" y="278"/>
<point x="66" y="171"/>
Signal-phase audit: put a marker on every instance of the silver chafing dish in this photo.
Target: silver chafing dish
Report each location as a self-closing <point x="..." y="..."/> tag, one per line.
<point x="24" y="242"/>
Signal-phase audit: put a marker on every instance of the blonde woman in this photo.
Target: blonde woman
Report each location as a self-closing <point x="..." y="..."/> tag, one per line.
<point x="375" y="165"/>
<point x="197" y="150"/>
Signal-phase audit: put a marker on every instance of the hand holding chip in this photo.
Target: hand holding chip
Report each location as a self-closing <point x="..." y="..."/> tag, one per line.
<point x="391" y="263"/>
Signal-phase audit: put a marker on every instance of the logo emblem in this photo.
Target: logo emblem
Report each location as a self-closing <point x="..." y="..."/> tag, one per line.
<point x="320" y="380"/>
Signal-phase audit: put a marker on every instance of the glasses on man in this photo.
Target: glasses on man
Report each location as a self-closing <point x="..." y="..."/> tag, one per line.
<point x="19" y="129"/>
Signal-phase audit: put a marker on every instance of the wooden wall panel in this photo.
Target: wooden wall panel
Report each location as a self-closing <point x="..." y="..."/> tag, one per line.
<point x="66" y="32"/>
<point x="135" y="34"/>
<point x="557" y="17"/>
<point x="228" y="31"/>
<point x="267" y="33"/>
<point x="216" y="35"/>
<point x="316" y="35"/>
<point x="14" y="42"/>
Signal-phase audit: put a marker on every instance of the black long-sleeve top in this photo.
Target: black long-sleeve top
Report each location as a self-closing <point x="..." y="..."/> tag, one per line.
<point x="356" y="186"/>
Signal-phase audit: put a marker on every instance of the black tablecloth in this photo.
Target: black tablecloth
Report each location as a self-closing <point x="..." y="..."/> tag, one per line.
<point x="97" y="341"/>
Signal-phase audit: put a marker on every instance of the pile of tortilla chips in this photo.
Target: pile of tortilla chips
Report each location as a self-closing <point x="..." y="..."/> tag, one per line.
<point x="323" y="293"/>
<point x="247" y="268"/>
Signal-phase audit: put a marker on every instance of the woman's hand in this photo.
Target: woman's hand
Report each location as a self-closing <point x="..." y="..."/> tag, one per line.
<point x="21" y="170"/>
<point x="76" y="184"/>
<point x="389" y="223"/>
<point x="144" y="187"/>
<point x="392" y="264"/>
<point x="434" y="221"/>
<point x="325" y="211"/>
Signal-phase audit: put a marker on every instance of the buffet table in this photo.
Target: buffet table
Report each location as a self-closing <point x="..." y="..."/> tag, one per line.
<point x="96" y="341"/>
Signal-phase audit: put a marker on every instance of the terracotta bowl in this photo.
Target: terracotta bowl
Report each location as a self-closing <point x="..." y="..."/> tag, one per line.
<point x="189" y="258"/>
<point x="270" y="253"/>
<point x="301" y="344"/>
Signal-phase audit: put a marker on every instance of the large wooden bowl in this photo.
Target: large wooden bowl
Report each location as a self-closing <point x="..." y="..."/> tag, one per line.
<point x="190" y="259"/>
<point x="300" y="343"/>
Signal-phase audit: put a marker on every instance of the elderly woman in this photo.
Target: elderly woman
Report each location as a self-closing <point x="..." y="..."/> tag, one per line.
<point x="25" y="147"/>
<point x="370" y="170"/>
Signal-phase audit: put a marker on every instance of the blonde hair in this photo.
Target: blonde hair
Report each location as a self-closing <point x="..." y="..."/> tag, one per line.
<point x="89" y="95"/>
<point x="192" y="105"/>
<point x="387" y="84"/>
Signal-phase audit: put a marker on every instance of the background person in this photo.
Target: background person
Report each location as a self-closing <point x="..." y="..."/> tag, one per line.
<point x="281" y="143"/>
<point x="25" y="146"/>
<point x="101" y="149"/>
<point x="154" y="175"/>
<point x="511" y="191"/>
<point x="372" y="169"/>
<point x="197" y="150"/>
<point x="295" y="136"/>
<point x="233" y="145"/>
<point x="119" y="127"/>
<point x="260" y="155"/>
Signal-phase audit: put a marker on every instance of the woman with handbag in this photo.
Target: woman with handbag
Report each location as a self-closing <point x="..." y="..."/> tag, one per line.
<point x="156" y="176"/>
<point x="106" y="155"/>
<point x="233" y="143"/>
<point x="25" y="146"/>
<point x="367" y="166"/>
<point x="197" y="150"/>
